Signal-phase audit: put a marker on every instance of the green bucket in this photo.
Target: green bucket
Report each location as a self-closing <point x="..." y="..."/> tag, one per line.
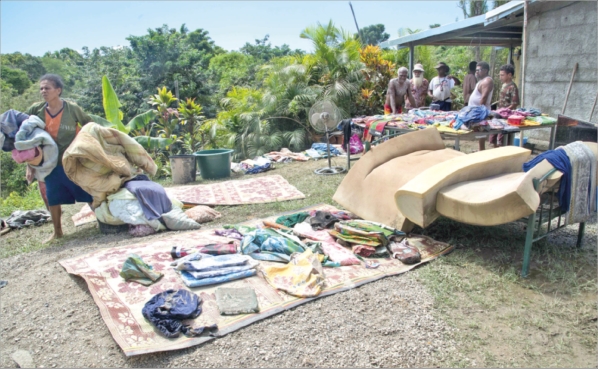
<point x="214" y="164"/>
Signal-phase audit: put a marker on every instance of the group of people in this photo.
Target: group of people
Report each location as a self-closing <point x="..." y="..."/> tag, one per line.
<point x="478" y="87"/>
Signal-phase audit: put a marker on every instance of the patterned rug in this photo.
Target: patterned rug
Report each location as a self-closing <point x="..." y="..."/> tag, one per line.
<point x="235" y="192"/>
<point x="120" y="302"/>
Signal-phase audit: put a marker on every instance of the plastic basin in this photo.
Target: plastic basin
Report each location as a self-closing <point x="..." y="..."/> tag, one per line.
<point x="214" y="164"/>
<point x="182" y="168"/>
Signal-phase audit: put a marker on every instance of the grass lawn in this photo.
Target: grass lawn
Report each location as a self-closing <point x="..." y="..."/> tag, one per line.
<point x="546" y="320"/>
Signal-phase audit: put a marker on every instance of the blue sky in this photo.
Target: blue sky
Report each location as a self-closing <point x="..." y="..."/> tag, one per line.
<point x="35" y="27"/>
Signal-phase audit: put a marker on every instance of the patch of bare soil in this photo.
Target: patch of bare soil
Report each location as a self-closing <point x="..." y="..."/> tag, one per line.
<point x="52" y="315"/>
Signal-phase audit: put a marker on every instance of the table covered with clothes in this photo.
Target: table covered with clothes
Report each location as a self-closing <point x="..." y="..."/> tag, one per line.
<point x="468" y="123"/>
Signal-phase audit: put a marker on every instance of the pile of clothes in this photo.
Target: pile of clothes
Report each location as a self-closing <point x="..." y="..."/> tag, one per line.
<point x="467" y="119"/>
<point x="25" y="137"/>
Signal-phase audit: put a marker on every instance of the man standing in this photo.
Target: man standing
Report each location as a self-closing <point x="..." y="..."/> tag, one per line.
<point x="509" y="97"/>
<point x="469" y="82"/>
<point x="419" y="88"/>
<point x="440" y="87"/>
<point x="398" y="88"/>
<point x="482" y="93"/>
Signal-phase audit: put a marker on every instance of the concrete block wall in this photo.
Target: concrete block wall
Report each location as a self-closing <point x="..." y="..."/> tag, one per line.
<point x="561" y="34"/>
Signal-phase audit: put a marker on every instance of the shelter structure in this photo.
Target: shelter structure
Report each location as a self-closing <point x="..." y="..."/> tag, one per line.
<point x="545" y="38"/>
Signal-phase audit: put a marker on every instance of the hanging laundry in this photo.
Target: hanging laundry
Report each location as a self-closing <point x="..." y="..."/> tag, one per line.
<point x="303" y="276"/>
<point x="167" y="310"/>
<point x="136" y="270"/>
<point x="235" y="301"/>
<point x="557" y="158"/>
<point x="151" y="195"/>
<point x="291" y="220"/>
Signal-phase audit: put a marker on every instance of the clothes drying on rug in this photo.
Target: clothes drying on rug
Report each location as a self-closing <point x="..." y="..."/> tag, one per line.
<point x="136" y="270"/>
<point x="167" y="310"/>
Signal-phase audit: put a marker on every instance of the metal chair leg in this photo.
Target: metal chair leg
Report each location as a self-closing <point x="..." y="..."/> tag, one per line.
<point x="529" y="240"/>
<point x="582" y="228"/>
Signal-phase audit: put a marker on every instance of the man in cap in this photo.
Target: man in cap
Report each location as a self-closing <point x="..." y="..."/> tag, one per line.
<point x="440" y="87"/>
<point x="398" y="88"/>
<point x="419" y="87"/>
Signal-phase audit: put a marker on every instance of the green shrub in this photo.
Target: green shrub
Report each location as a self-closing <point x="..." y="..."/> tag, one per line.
<point x="30" y="200"/>
<point x="12" y="175"/>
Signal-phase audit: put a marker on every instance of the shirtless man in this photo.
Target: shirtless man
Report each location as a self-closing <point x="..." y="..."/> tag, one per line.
<point x="482" y="93"/>
<point x="398" y="88"/>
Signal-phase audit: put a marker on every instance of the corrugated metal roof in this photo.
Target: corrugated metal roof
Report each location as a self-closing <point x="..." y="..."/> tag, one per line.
<point x="496" y="27"/>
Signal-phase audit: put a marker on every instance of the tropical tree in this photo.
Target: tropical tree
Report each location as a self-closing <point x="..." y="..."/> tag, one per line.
<point x="377" y="74"/>
<point x="335" y="64"/>
<point x="191" y="120"/>
<point x="372" y="35"/>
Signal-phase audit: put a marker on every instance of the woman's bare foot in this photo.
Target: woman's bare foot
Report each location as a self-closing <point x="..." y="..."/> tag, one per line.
<point x="52" y="238"/>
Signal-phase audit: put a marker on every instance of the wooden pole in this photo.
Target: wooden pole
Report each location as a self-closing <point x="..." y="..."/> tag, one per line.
<point x="523" y="52"/>
<point x="569" y="89"/>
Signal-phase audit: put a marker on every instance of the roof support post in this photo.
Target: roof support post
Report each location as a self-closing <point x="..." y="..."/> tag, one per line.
<point x="411" y="57"/>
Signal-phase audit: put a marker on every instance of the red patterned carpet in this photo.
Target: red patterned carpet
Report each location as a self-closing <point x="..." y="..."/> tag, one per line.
<point x="120" y="302"/>
<point x="235" y="192"/>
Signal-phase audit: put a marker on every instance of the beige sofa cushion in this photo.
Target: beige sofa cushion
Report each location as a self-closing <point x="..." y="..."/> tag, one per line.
<point x="417" y="198"/>
<point x="368" y="189"/>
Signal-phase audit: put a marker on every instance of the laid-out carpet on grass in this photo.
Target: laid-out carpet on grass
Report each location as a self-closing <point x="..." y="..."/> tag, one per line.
<point x="120" y="303"/>
<point x="258" y="190"/>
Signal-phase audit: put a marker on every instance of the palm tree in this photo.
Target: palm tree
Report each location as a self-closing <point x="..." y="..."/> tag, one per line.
<point x="335" y="63"/>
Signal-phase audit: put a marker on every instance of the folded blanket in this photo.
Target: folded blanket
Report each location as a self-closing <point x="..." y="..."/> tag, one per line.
<point x="32" y="134"/>
<point x="101" y="159"/>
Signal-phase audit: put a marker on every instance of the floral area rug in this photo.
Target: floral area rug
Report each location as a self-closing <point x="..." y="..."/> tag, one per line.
<point x="120" y="303"/>
<point x="235" y="192"/>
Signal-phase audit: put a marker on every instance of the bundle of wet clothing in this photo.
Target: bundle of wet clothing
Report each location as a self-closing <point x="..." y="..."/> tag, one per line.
<point x="166" y="311"/>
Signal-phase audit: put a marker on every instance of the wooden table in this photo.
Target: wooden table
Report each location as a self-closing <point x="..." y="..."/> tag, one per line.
<point x="390" y="130"/>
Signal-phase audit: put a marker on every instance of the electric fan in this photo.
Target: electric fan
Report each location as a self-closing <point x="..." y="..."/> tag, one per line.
<point x="324" y="116"/>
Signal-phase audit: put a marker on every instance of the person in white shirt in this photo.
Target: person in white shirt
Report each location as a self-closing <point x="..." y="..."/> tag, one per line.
<point x="440" y="87"/>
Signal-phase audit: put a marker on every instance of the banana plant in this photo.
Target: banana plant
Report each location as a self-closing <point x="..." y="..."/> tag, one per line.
<point x="139" y="123"/>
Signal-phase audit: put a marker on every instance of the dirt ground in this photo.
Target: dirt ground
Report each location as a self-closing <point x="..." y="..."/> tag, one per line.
<point x="433" y="316"/>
